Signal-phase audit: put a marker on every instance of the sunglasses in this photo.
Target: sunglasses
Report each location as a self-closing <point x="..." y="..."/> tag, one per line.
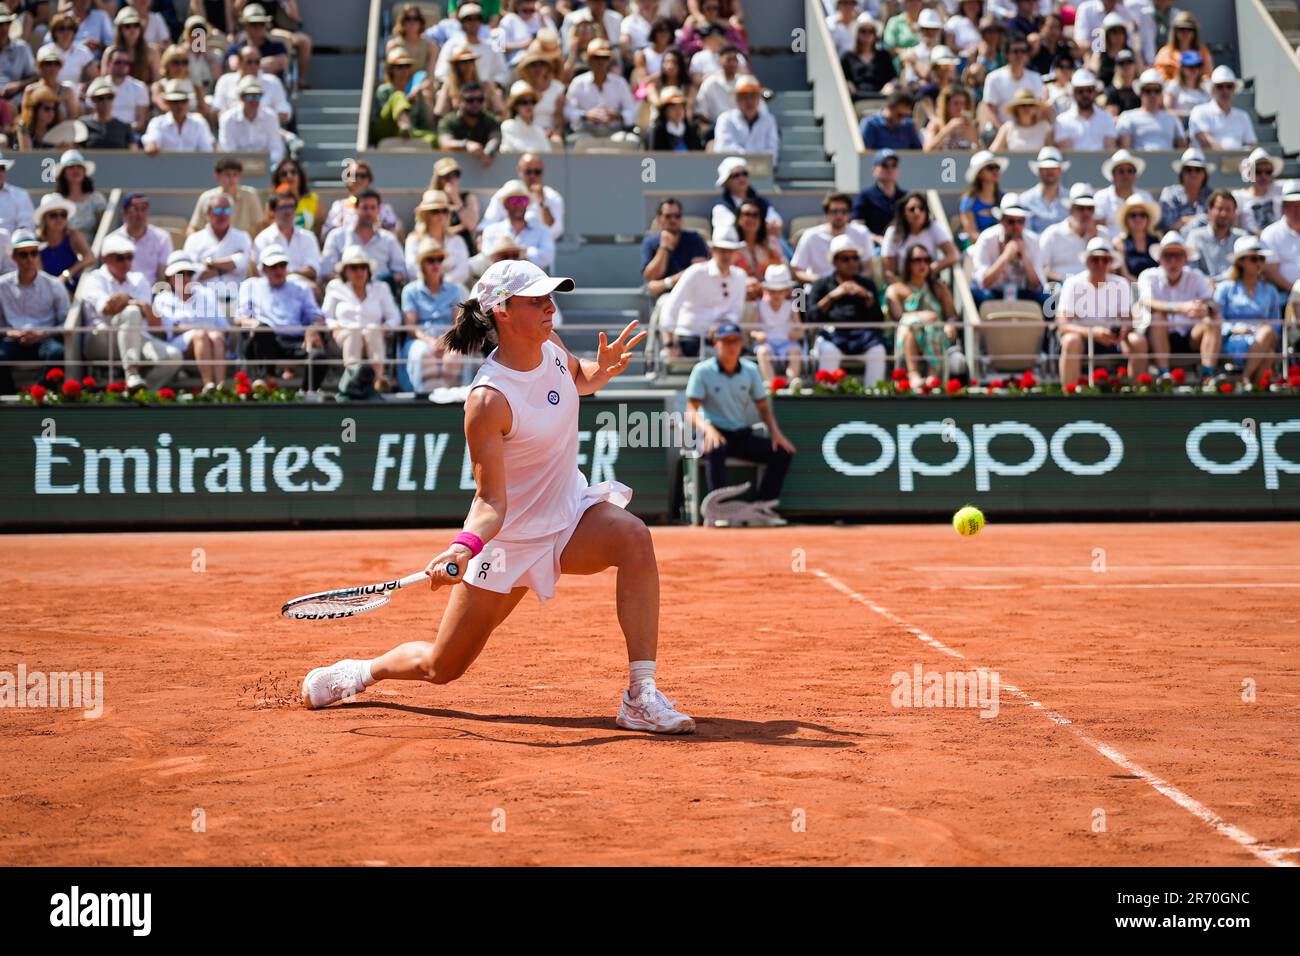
<point x="517" y="201"/>
<point x="926" y="259"/>
<point x="436" y="260"/>
<point x="525" y="102"/>
<point x="56" y="214"/>
<point x="222" y="210"/>
<point x="739" y="175"/>
<point x="472" y="100"/>
<point x="1138" y="214"/>
<point x="889" y="164"/>
<point x="748" y="215"/>
<point x="276" y="265"/>
<point x="121" y="257"/>
<point x="26" y="254"/>
<point x="1251" y="258"/>
<point x="532" y="172"/>
<point x="848" y="257"/>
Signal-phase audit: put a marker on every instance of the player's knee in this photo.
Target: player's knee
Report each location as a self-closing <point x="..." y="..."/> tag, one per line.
<point x="439" y="668"/>
<point x="636" y="544"/>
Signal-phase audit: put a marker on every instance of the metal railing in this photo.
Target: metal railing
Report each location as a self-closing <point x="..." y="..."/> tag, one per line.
<point x="369" y="72"/>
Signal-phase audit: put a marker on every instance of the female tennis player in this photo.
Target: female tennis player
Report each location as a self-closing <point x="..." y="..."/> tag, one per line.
<point x="532" y="504"/>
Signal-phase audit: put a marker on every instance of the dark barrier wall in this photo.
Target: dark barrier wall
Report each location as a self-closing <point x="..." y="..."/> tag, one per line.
<point x="101" y="465"/>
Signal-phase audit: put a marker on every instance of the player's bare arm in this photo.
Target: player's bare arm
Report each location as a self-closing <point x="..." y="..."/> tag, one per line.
<point x="612" y="358"/>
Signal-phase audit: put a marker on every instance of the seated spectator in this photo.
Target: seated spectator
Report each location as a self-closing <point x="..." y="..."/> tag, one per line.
<point x="227" y="91"/>
<point x="988" y="56"/>
<point x="546" y="205"/>
<point x="733" y="177"/>
<point x="32" y="22"/>
<point x="1184" y="38"/>
<point x="1138" y="238"/>
<point x="205" y="63"/>
<point x="953" y="127"/>
<point x="288" y="19"/>
<point x="1094" y="316"/>
<point x="1250" y="307"/>
<point x="1045" y="200"/>
<point x="65" y="253"/>
<point x="380" y="246"/>
<point x="1218" y="124"/>
<point x="152" y="245"/>
<point x="128" y="37"/>
<point x="534" y="237"/>
<point x="450" y="27"/>
<point x="812" y="258"/>
<point x="103" y="129"/>
<point x="760" y="248"/>
<point x="257" y="34"/>
<point x="192" y="321"/>
<point x="876" y="205"/>
<point x="73" y="182"/>
<point x="409" y="27"/>
<point x="979" y="203"/>
<point x="868" y="67"/>
<point x="716" y="95"/>
<point x="725" y="399"/>
<point x="17" y="65"/>
<point x="538" y="72"/>
<point x="705" y="294"/>
<point x="33" y="307"/>
<point x="15" y="204"/>
<point x="1122" y="169"/>
<point x="464" y="70"/>
<point x="1026" y="131"/>
<point x="847" y="296"/>
<point x="229" y="174"/>
<point x="914" y="61"/>
<point x="1058" y="91"/>
<point x="491" y="65"/>
<point x="1120" y="95"/>
<point x="779" y="333"/>
<point x="1282" y="238"/>
<point x="1189" y="89"/>
<point x="673" y="131"/>
<point x="432" y="221"/>
<point x="357" y="308"/>
<point x="599" y="103"/>
<point x="913" y="226"/>
<point x="39" y="115"/>
<point x="520" y="27"/>
<point x="639" y="30"/>
<point x="289" y="172"/>
<point x="464" y="205"/>
<point x="1062" y="246"/>
<point x="1259" y="203"/>
<point x="1210" y="246"/>
<point x="901" y="30"/>
<point x="49" y="63"/>
<point x="471" y="129"/>
<point x="1186" y="202"/>
<point x="750" y="127"/>
<point x="1090" y="21"/>
<point x="711" y="20"/>
<point x="95" y="27"/>
<point x="283" y="322"/>
<point x="1006" y="260"/>
<point x="1113" y="43"/>
<point x="647" y="58"/>
<point x="428" y="303"/>
<point x="359" y="178"/>
<point x="222" y="252"/>
<point x="926" y="343"/>
<point x="964" y="27"/>
<point x="708" y="60"/>
<point x="118" y="304"/>
<point x="521" y="133"/>
<point x="673" y="73"/>
<point x="177" y="131"/>
<point x="667" y="253"/>
<point x="298" y="244"/>
<point x="1002" y="84"/>
<point x="1150" y="127"/>
<point x="1083" y="127"/>
<point x="76" y="56"/>
<point x="1176" y="308"/>
<point x="250" y="127"/>
<point x="892" y="127"/>
<point x="132" y="102"/>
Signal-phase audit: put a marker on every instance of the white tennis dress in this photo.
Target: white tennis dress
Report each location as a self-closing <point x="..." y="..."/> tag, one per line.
<point x="546" y="494"/>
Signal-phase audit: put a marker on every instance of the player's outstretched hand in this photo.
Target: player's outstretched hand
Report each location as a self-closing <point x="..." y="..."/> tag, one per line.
<point x="612" y="357"/>
<point x="439" y="571"/>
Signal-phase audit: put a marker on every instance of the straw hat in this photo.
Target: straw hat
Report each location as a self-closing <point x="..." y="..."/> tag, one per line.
<point x="127" y="15"/>
<point x="1137" y="202"/>
<point x="432" y="200"/>
<point x="520" y="88"/>
<point x="1023" y="97"/>
<point x="429" y="247"/>
<point x="446" y="166"/>
<point x="513" y="187"/>
<point x="671" y="94"/>
<point x="355" y="256"/>
<point x="255" y="13"/>
<point x="504" y="242"/>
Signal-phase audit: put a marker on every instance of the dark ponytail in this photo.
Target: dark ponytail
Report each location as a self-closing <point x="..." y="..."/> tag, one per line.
<point x="471" y="331"/>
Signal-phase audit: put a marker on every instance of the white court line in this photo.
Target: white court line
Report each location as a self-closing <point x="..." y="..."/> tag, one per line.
<point x="1274" y="856"/>
<point x="1066" y="569"/>
<point x="1229" y="585"/>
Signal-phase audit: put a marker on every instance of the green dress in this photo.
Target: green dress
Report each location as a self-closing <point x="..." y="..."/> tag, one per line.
<point x="931" y="340"/>
<point x="390" y="103"/>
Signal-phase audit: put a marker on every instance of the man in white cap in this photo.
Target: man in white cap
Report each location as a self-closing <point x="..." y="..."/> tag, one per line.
<point x="1060" y="246"/>
<point x="1282" y="238"/>
<point x="1150" y="127"/>
<point x="226" y="93"/>
<point x="705" y="294"/>
<point x="1122" y="171"/>
<point x="152" y="245"/>
<point x="545" y="206"/>
<point x="532" y="236"/>
<point x="249" y="126"/>
<point x="282" y="318"/>
<point x="1001" y="86"/>
<point x="1084" y="127"/>
<point x="812" y="256"/>
<point x="298" y="244"/>
<point x="15" y="205"/>
<point x="1046" y="201"/>
<point x="1097" y="305"/>
<point x="176" y="131"/>
<point x="1218" y="124"/>
<point x="33" y="307"/>
<point x="1005" y="260"/>
<point x="1210" y="246"/>
<point x="222" y="252"/>
<point x="1175" y="308"/>
<point x="840" y="303"/>
<point x="750" y="127"/>
<point x="491" y="65"/>
<point x="1259" y="202"/>
<point x="118" y="303"/>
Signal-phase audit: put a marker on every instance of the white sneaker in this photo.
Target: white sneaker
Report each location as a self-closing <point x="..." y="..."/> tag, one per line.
<point x="134" y="380"/>
<point x="329" y="685"/>
<point x="654" y="712"/>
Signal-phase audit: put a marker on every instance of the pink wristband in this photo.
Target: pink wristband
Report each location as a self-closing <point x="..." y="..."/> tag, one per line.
<point x="471" y="541"/>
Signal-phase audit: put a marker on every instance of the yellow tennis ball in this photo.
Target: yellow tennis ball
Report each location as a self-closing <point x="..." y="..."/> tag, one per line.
<point x="968" y="521"/>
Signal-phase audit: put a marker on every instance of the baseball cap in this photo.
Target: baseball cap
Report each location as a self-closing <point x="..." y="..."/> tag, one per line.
<point x="512" y="277"/>
<point x="723" y="329"/>
<point x="179" y="261"/>
<point x="132" y="197"/>
<point x="882" y="155"/>
<point x="843" y="243"/>
<point x="117" y="244"/>
<point x="273" y="255"/>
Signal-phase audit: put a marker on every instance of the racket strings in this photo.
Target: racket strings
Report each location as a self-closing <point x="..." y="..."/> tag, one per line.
<point x="336" y="605"/>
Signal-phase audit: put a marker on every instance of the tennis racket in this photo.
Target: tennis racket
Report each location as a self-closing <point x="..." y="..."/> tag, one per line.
<point x="349" y="602"/>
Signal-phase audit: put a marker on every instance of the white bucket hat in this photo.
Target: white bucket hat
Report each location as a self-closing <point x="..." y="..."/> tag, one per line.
<point x="1224" y="74"/>
<point x="1010" y="206"/>
<point x="1171" y="239"/>
<point x="729" y="166"/>
<point x="1150" y="77"/>
<point x="1085" y="78"/>
<point x="1096" y="246"/>
<point x="778" y="277"/>
<point x="511" y="277"/>
<point x="273" y="255"/>
<point x="114" y="245"/>
<point x="1119" y="158"/>
<point x="1257" y="155"/>
<point x="1251" y="246"/>
<point x="1192" y="156"/>
<point x="73" y="157"/>
<point x="842" y="243"/>
<point x="982" y="159"/>
<point x="355" y="256"/>
<point x="725" y="237"/>
<point x="180" y="261"/>
<point x="929" y="20"/>
<point x="52" y="201"/>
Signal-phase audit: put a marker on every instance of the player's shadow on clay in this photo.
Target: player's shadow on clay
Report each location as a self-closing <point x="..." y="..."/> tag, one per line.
<point x="778" y="733"/>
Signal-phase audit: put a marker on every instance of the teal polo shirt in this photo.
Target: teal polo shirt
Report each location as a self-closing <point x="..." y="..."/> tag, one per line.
<point x="728" y="400"/>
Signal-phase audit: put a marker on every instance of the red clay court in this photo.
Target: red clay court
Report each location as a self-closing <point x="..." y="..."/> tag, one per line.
<point x="1122" y="692"/>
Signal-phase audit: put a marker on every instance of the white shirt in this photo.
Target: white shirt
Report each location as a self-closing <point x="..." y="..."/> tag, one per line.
<point x="1059" y="248"/>
<point x="717" y="94"/>
<point x="612" y="22"/>
<point x="193" y="137"/>
<point x="131" y="95"/>
<point x="15" y="208"/>
<point x="1231" y="130"/>
<point x="226" y="93"/>
<point x="987" y="249"/>
<point x="1081" y="302"/>
<point x="98" y="286"/>
<point x="1285" y="243"/>
<point x="491" y="64"/>
<point x="584" y="95"/>
<point x="536" y="239"/>
<point x="1088" y="17"/>
<point x="520" y="137"/>
<point x="734" y="134"/>
<point x="1255" y="213"/>
<point x="965" y="34"/>
<point x="343" y="310"/>
<point x="894" y="246"/>
<point x="151" y="249"/>
<point x="515" y="29"/>
<point x="635" y="29"/>
<point x="1000" y="86"/>
<point x="75" y="59"/>
<point x="1151" y="132"/>
<point x="776" y="322"/>
<point x="302" y="248"/>
<point x="236" y="133"/>
<point x="1107" y="205"/>
<point x="496" y="211"/>
<point x="813" y="252"/>
<point x="202" y="309"/>
<point x="1154" y="286"/>
<point x="702" y="296"/>
<point x="455" y="268"/>
<point x="1085" y="133"/>
<point x="235" y="245"/>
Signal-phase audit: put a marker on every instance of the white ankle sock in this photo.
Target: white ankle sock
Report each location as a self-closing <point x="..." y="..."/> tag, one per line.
<point x="366" y="677"/>
<point x="639" y="675"/>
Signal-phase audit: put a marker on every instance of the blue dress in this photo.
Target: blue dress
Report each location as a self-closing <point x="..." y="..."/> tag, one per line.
<point x="1238" y="307"/>
<point x="57" y="259"/>
<point x="984" y="218"/>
